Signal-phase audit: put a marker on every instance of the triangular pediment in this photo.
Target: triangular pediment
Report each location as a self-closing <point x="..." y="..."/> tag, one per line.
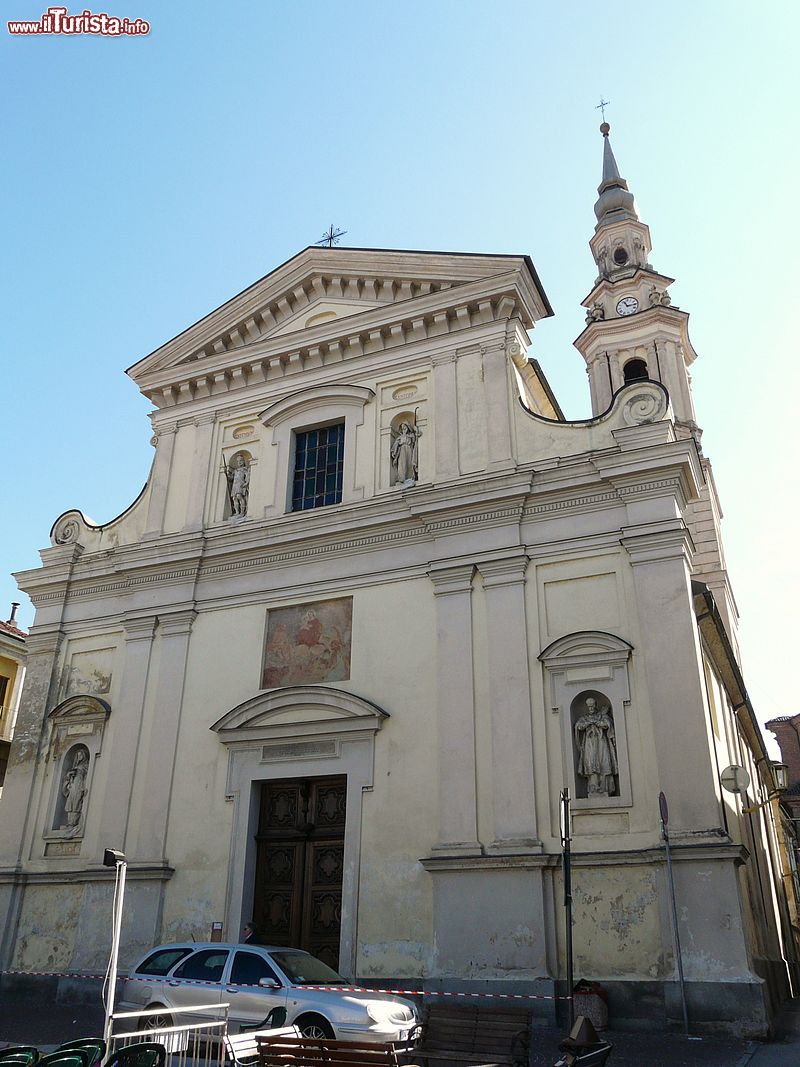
<point x="320" y="311"/>
<point x="367" y="290"/>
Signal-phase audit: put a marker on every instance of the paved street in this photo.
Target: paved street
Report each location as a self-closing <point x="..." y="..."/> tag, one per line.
<point x="38" y="1021"/>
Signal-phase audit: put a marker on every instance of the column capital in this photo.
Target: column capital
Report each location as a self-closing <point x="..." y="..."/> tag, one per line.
<point x="176" y="623"/>
<point x="42" y="644"/>
<point x="165" y="428"/>
<point x="657" y="541"/>
<point x="205" y="420"/>
<point x="451" y="578"/>
<point x="439" y="359"/>
<point x="505" y="570"/>
<point x="139" y="627"/>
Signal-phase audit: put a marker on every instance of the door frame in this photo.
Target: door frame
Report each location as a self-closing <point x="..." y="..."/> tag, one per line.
<point x="297" y="732"/>
<point x="302" y="879"/>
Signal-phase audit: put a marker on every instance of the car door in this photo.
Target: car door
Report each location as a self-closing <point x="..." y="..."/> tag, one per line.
<point x="198" y="980"/>
<point x="251" y="1003"/>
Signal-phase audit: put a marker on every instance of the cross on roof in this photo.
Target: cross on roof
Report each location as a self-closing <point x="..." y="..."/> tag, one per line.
<point x="331" y="237"/>
<point x="602" y="107"/>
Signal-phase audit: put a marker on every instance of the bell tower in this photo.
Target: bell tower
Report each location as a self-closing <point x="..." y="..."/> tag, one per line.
<point x="633" y="331"/>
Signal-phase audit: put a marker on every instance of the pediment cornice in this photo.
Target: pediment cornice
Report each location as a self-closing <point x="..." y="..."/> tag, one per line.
<point x="303" y="710"/>
<point x="422" y="295"/>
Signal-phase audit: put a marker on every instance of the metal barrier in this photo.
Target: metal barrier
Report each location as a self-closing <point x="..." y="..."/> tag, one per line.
<point x="198" y="1044"/>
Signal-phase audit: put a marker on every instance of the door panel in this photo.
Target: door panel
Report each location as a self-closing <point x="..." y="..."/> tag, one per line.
<point x="299" y="867"/>
<point x="250" y="1003"/>
<point x="198" y="980"/>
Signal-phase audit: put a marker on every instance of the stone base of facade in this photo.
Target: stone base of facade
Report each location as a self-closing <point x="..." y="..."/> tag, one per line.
<point x="735" y="1009"/>
<point x="739" y="1009"/>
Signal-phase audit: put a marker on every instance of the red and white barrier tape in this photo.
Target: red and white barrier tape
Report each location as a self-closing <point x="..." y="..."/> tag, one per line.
<point x="316" y="988"/>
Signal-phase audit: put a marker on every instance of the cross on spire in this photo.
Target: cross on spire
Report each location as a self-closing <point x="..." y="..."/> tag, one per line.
<point x="331" y="237"/>
<point x="601" y="107"/>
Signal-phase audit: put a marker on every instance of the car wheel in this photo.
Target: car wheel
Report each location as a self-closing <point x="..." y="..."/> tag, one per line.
<point x="314" y="1026"/>
<point x="159" y="1020"/>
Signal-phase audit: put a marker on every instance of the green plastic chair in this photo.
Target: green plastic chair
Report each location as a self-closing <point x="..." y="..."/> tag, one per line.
<point x="25" y="1055"/>
<point x="76" y="1057"/>
<point x="142" y="1054"/>
<point x="94" y="1046"/>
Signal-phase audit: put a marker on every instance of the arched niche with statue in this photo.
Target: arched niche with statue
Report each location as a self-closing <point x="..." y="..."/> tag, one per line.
<point x="404" y="450"/>
<point x="76" y="739"/>
<point x="588" y="688"/>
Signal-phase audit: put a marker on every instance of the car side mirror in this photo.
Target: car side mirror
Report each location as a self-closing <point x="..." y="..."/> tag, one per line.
<point x="269" y="983"/>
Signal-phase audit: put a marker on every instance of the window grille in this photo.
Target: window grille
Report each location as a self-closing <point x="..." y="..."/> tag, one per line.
<point x="318" y="467"/>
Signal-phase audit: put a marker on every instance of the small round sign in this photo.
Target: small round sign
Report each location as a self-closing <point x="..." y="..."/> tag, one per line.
<point x="735" y="779"/>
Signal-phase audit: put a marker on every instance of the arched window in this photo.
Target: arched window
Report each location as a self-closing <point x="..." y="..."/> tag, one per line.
<point x="634" y="370"/>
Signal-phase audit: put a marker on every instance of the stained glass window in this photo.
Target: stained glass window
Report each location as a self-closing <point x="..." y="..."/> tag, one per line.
<point x="318" y="467"/>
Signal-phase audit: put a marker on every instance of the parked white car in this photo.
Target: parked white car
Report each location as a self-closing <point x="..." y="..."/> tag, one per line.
<point x="254" y="980"/>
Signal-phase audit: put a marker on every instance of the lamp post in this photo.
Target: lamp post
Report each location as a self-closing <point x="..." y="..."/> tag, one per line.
<point x="566" y="840"/>
<point x="113" y="858"/>
<point x="664" y="813"/>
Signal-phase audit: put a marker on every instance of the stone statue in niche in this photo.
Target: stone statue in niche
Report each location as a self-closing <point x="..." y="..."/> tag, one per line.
<point x="73" y="790"/>
<point x="597" y="750"/>
<point x="405" y="454"/>
<point x="238" y="476"/>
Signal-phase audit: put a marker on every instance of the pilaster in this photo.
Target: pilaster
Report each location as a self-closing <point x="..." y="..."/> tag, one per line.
<point x="165" y="446"/>
<point x="514" y="801"/>
<point x="153" y="790"/>
<point x="201" y="463"/>
<point x="127" y="726"/>
<point x="445" y="406"/>
<point x="498" y="415"/>
<point x="458" y="816"/>
<point x="18" y="791"/>
<point x="660" y="557"/>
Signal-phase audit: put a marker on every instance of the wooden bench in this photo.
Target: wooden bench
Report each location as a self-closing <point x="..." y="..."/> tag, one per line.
<point x="277" y="1051"/>
<point x="472" y="1034"/>
<point x="243" y="1048"/>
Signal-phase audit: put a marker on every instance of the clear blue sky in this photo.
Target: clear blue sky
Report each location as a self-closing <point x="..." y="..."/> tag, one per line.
<point x="146" y="180"/>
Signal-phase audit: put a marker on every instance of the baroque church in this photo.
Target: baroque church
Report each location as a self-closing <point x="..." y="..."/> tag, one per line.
<point x="377" y="605"/>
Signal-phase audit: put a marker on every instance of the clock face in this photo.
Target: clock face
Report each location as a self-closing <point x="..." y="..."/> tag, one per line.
<point x="627" y="306"/>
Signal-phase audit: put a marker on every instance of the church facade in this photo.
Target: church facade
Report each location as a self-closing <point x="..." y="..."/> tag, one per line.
<point x="380" y="602"/>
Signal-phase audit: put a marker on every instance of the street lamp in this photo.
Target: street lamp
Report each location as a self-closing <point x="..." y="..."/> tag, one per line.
<point x="780" y="772"/>
<point x="112" y="857"/>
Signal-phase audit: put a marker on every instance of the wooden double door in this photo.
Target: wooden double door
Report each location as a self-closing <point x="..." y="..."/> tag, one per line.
<point x="299" y="865"/>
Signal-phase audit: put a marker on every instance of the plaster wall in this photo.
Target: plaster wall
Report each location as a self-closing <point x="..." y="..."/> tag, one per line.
<point x="522" y="533"/>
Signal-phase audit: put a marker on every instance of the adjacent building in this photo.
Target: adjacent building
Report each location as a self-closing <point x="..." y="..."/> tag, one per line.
<point x="380" y="602"/>
<point x="12" y="675"/>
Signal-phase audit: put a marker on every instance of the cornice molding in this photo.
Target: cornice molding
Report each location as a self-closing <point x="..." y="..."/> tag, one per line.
<point x="308" y="399"/>
<point x="473" y="303"/>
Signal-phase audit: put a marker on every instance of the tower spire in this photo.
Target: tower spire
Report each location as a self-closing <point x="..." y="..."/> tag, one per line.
<point x="632" y="330"/>
<point x="615" y="202"/>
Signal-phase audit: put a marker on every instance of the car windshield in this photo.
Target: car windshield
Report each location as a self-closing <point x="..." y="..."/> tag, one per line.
<point x="302" y="969"/>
